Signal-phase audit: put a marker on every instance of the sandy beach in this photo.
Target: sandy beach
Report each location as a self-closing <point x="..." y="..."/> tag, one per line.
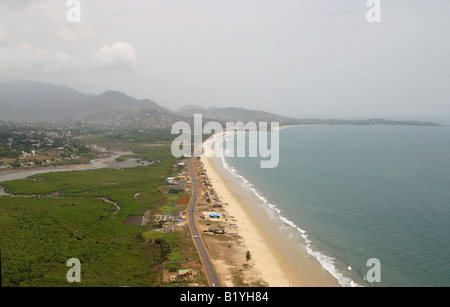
<point x="275" y="259"/>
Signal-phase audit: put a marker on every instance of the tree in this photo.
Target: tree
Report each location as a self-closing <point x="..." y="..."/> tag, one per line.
<point x="164" y="248"/>
<point x="248" y="256"/>
<point x="16" y="163"/>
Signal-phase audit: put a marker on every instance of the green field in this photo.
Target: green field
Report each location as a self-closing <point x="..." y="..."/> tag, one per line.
<point x="38" y="235"/>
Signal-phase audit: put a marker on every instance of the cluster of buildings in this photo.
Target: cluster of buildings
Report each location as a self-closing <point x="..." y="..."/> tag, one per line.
<point x="44" y="142"/>
<point x="215" y="220"/>
<point x="143" y="121"/>
<point x="177" y="184"/>
<point x="210" y="195"/>
<point x="170" y="221"/>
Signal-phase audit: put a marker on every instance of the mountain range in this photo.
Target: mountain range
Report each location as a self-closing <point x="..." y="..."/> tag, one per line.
<point x="37" y="102"/>
<point x="28" y="101"/>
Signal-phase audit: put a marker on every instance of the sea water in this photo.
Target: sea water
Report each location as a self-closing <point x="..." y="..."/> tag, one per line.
<point x="348" y="194"/>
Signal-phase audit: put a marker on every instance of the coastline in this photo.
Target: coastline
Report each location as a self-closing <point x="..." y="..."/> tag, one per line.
<point x="279" y="262"/>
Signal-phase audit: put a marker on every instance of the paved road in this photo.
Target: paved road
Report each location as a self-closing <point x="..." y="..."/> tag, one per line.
<point x="210" y="270"/>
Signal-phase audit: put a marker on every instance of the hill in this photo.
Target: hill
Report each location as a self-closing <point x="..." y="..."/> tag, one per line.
<point x="29" y="101"/>
<point x="232" y="114"/>
<point x="37" y="102"/>
<point x="112" y="104"/>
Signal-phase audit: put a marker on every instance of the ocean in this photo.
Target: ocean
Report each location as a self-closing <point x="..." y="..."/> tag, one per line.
<point x="348" y="194"/>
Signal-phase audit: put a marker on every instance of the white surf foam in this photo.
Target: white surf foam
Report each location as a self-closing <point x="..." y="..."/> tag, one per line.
<point x="289" y="227"/>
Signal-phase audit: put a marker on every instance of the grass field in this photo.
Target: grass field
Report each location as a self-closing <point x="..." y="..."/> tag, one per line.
<point x="38" y="235"/>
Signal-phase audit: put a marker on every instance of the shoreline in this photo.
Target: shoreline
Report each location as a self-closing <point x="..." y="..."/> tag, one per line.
<point x="280" y="263"/>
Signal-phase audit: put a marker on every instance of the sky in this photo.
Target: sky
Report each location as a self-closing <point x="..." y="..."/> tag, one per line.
<point x="298" y="58"/>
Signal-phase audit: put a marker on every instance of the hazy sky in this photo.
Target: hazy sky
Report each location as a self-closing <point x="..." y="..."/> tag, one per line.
<point x="302" y="58"/>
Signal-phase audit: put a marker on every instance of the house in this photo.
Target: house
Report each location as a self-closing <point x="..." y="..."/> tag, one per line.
<point x="167" y="218"/>
<point x="178" y="215"/>
<point x="183" y="274"/>
<point x="220" y="231"/>
<point x="28" y="155"/>
<point x="170" y="180"/>
<point x="214" y="215"/>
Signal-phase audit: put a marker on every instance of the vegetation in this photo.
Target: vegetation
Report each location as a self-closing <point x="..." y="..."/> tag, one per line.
<point x="25" y="145"/>
<point x="152" y="136"/>
<point x="57" y="216"/>
<point x="38" y="236"/>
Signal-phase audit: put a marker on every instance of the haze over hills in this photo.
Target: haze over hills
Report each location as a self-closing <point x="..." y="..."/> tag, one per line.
<point x="112" y="103"/>
<point x="230" y="114"/>
<point x="37" y="102"/>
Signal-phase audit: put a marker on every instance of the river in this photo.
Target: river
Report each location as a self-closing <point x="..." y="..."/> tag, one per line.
<point x="108" y="161"/>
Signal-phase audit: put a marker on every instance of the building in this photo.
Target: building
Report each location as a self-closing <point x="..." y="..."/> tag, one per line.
<point x="214" y="215"/>
<point x="167" y="218"/>
<point x="220" y="231"/>
<point x="28" y="155"/>
<point x="183" y="274"/>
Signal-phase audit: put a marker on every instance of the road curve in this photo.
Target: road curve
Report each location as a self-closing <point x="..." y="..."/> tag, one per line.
<point x="210" y="270"/>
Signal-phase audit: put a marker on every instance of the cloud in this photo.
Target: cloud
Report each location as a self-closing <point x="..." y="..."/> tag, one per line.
<point x="81" y="33"/>
<point x="22" y="56"/>
<point x="15" y="4"/>
<point x="4" y="38"/>
<point x="118" y="56"/>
